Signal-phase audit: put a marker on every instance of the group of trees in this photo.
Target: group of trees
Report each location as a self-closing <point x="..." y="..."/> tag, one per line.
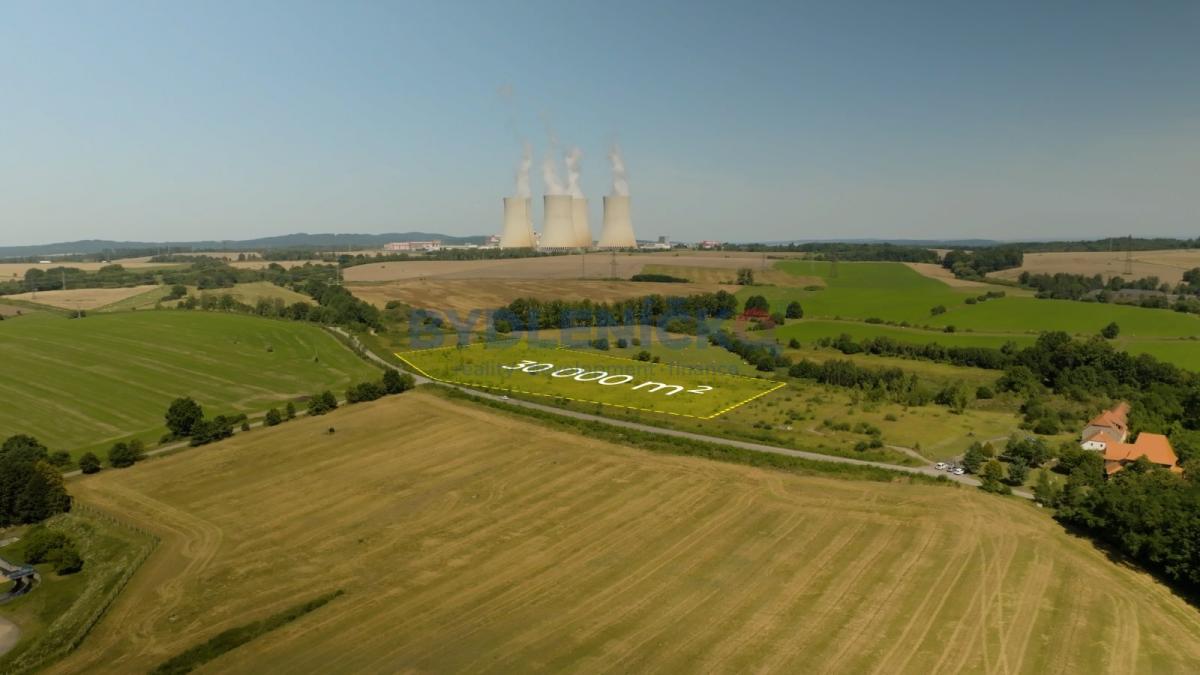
<point x="31" y="489"/>
<point x="981" y="261"/>
<point x="1143" y="511"/>
<point x="185" y="419"/>
<point x="1064" y="286"/>
<point x="659" y="278"/>
<point x="43" y="545"/>
<point x="845" y="251"/>
<point x="334" y="305"/>
<point x="891" y="384"/>
<point x="393" y="382"/>
<point x="692" y="310"/>
<point x="976" y="357"/>
<point x="764" y="356"/>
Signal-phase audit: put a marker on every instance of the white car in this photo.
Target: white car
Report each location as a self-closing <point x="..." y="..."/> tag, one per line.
<point x="940" y="466"/>
<point x="958" y="471"/>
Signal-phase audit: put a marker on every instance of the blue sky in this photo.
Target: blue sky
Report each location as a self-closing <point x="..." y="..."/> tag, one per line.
<point x="738" y="121"/>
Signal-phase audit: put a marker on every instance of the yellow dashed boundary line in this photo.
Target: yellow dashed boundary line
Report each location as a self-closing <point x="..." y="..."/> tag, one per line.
<point x="417" y="368"/>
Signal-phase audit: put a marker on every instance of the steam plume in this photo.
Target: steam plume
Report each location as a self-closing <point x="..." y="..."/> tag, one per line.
<point x="574" y="155"/>
<point x="554" y="184"/>
<point x="620" y="185"/>
<point x="523" y="171"/>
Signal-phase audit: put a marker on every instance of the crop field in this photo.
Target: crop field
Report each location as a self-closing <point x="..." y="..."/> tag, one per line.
<point x="464" y="296"/>
<point x="81" y="384"/>
<point x="250" y="293"/>
<point x="469" y="540"/>
<point x="83" y="298"/>
<point x="589" y="376"/>
<point x="1168" y="265"/>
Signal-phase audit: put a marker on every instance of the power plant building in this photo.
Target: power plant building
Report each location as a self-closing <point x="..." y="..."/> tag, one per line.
<point x="579" y="216"/>
<point x="617" y="231"/>
<point x="558" y="226"/>
<point x="518" y="224"/>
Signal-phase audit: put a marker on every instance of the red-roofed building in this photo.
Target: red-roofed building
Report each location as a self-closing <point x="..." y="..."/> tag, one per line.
<point x="1156" y="448"/>
<point x="1105" y="428"/>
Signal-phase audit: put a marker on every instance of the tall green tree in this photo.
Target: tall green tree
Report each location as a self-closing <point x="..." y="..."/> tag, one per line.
<point x="182" y="416"/>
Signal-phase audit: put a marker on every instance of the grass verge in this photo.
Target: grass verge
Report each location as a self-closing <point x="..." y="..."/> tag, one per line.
<point x="59" y="613"/>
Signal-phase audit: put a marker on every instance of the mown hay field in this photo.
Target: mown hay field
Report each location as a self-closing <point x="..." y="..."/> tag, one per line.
<point x="595" y="265"/>
<point x="467" y="540"/>
<point x="80" y="384"/>
<point x="466" y="295"/>
<point x="1168" y="265"/>
<point x="590" y="376"/>
<point x="84" y="298"/>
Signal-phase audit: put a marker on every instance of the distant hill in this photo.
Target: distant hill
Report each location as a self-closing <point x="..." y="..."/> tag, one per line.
<point x="300" y="240"/>
<point x="927" y="243"/>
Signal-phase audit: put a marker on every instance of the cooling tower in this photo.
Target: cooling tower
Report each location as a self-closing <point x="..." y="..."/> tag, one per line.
<point x="618" y="229"/>
<point x="518" y="228"/>
<point x="579" y="216"/>
<point x="558" y="230"/>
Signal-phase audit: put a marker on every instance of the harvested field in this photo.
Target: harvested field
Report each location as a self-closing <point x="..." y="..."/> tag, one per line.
<point x="84" y="298"/>
<point x="467" y="540"/>
<point x="462" y="295"/>
<point x="9" y="310"/>
<point x="1168" y="266"/>
<point x="596" y="266"/>
<point x="10" y="271"/>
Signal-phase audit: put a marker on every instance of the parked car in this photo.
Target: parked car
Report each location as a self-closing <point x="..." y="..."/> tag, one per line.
<point x="958" y="471"/>
<point x="940" y="466"/>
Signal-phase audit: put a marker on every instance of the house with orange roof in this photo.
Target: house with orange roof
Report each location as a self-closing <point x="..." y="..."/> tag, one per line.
<point x="1107" y="433"/>
<point x="1156" y="448"/>
<point x="1107" y="428"/>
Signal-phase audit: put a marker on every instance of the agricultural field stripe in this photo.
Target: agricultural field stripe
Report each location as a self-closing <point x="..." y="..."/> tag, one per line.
<point x="414" y="366"/>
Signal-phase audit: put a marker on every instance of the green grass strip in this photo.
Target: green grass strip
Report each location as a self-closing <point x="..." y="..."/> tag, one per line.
<point x="675" y="445"/>
<point x="236" y="637"/>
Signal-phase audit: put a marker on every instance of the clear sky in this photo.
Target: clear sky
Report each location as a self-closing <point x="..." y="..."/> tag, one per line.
<point x="739" y="121"/>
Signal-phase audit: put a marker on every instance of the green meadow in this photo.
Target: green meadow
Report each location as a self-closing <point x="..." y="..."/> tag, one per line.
<point x="590" y="376"/>
<point x="80" y="384"/>
<point x="895" y="293"/>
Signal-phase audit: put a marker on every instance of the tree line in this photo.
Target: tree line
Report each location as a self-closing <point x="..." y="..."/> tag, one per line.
<point x="535" y="314"/>
<point x="979" y="262"/>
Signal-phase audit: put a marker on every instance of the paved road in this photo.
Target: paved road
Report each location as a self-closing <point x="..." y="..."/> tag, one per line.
<point x="746" y="445"/>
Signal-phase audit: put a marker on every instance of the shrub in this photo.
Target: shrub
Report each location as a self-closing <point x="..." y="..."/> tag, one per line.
<point x="89" y="463"/>
<point x="643" y="355"/>
<point x="290" y="411"/>
<point x="622" y="343"/>
<point x="984" y="393"/>
<point x="395" y="382"/>
<point x="793" y="344"/>
<point x="939" y="309"/>
<point x="273" y="417"/>
<point x="1111" y="331"/>
<point x="123" y="455"/>
<point x="600" y="343"/>
<point x="322" y="403"/>
<point x="794" y="310"/>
